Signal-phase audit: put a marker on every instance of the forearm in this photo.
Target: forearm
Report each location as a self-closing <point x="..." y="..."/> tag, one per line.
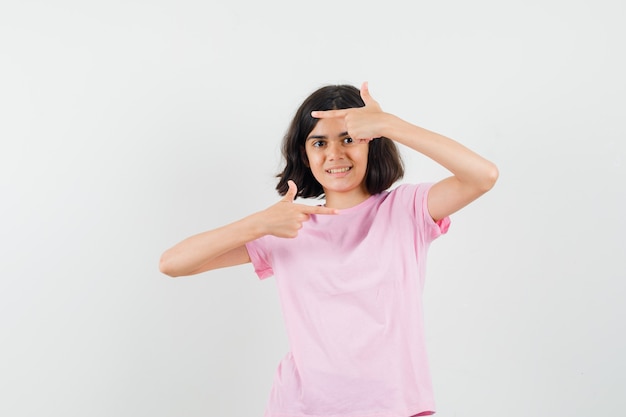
<point x="467" y="166"/>
<point x="225" y="246"/>
<point x="194" y="253"/>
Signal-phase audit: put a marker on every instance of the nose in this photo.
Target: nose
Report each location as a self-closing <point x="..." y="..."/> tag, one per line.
<point x="334" y="150"/>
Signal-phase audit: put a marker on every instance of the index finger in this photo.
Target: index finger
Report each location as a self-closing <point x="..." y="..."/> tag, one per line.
<point x="329" y="114"/>
<point x="318" y="209"/>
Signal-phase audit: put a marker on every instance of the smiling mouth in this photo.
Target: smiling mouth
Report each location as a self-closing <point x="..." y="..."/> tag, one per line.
<point x="338" y="170"/>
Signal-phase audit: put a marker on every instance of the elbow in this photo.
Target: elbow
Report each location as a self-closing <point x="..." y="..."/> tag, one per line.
<point x="492" y="176"/>
<point x="166" y="267"/>
<point x="488" y="178"/>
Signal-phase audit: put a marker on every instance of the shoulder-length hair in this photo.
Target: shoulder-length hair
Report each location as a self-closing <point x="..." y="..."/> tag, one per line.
<point x="384" y="164"/>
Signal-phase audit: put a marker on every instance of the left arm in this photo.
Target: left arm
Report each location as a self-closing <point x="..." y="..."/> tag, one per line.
<point x="472" y="175"/>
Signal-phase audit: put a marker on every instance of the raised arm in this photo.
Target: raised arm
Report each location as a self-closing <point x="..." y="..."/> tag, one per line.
<point x="225" y="246"/>
<point x="472" y="175"/>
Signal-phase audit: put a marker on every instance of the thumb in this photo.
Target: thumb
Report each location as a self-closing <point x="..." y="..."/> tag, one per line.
<point x="291" y="193"/>
<point x="365" y="94"/>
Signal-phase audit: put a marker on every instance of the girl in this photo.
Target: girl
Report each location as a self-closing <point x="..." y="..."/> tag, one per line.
<point x="350" y="273"/>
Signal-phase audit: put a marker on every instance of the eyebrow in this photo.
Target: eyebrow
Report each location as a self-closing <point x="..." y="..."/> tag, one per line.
<point x="342" y="134"/>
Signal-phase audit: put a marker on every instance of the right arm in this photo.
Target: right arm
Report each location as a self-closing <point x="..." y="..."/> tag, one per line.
<point x="225" y="246"/>
<point x="218" y="248"/>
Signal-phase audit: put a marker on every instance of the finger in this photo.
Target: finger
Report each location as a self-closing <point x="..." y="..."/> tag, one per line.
<point x="291" y="192"/>
<point x="318" y="210"/>
<point x="365" y="94"/>
<point x="329" y="114"/>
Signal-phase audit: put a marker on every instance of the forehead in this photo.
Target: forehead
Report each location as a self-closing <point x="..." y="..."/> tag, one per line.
<point x="329" y="128"/>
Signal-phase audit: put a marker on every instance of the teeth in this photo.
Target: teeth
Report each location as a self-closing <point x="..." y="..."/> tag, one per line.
<point x="338" y="170"/>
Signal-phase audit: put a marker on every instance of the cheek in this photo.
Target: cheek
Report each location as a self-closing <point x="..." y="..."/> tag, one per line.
<point x="363" y="155"/>
<point x="313" y="159"/>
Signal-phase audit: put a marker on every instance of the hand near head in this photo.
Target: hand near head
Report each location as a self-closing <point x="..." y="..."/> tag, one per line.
<point x="363" y="123"/>
<point x="285" y="218"/>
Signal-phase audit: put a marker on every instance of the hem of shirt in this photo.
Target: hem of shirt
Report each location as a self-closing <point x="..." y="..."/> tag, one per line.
<point x="428" y="411"/>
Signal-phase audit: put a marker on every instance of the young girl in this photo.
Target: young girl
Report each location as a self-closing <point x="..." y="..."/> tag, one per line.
<point x="350" y="273"/>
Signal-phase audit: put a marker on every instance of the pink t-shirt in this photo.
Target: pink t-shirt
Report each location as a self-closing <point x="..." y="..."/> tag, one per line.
<point x="350" y="287"/>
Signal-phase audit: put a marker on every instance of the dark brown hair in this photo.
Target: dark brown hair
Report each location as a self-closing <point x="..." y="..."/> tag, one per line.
<point x="384" y="164"/>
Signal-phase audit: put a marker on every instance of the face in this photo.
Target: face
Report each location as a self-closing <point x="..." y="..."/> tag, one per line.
<point x="337" y="162"/>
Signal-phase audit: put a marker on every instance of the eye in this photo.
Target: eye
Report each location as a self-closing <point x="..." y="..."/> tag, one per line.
<point x="318" y="143"/>
<point x="348" y="140"/>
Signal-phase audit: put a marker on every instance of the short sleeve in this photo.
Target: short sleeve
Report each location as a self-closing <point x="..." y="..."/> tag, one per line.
<point x="260" y="258"/>
<point x="434" y="228"/>
<point x="415" y="196"/>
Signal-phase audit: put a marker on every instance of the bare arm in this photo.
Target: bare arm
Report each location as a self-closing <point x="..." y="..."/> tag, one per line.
<point x="218" y="248"/>
<point x="225" y="246"/>
<point x="472" y="175"/>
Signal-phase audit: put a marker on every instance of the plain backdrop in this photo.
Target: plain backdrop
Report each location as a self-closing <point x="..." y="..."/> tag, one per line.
<point x="126" y="126"/>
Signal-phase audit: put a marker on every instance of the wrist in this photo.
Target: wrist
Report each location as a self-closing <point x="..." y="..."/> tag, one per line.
<point x="254" y="226"/>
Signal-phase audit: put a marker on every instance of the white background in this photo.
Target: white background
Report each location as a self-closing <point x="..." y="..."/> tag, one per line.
<point x="127" y="126"/>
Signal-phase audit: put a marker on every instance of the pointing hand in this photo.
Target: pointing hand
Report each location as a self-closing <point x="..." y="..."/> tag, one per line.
<point x="285" y="218"/>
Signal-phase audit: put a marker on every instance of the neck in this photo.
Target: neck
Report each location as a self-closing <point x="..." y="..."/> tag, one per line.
<point x="340" y="200"/>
